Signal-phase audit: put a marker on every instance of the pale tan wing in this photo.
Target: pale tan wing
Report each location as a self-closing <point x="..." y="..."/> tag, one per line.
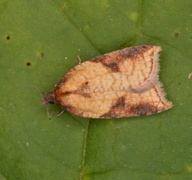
<point x="117" y="104"/>
<point x="139" y="104"/>
<point x="96" y="87"/>
<point x="137" y="68"/>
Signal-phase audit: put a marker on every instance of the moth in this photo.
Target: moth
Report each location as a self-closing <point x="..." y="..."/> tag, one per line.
<point x="122" y="83"/>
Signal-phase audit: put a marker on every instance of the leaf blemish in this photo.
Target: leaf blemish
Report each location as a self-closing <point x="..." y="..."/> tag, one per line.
<point x="42" y="55"/>
<point x="176" y="34"/>
<point x="8" y="37"/>
<point x="28" y="64"/>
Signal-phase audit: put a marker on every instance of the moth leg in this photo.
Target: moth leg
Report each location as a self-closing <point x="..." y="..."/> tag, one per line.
<point x="79" y="59"/>
<point x="59" y="114"/>
<point x="48" y="113"/>
<point x="190" y="75"/>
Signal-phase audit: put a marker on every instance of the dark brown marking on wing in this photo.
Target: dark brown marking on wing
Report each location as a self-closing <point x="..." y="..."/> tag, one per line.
<point x="83" y="90"/>
<point x="84" y="85"/>
<point x="133" y="51"/>
<point x="130" y="110"/>
<point x="58" y="94"/>
<point x="110" y="61"/>
<point x="99" y="58"/>
<point x="117" y="109"/>
<point x="119" y="103"/>
<point x="143" y="109"/>
<point x="114" y="66"/>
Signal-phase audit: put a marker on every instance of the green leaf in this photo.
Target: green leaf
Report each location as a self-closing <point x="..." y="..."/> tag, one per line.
<point x="39" y="43"/>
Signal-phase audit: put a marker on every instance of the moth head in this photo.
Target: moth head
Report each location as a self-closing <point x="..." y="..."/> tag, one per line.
<point x="49" y="98"/>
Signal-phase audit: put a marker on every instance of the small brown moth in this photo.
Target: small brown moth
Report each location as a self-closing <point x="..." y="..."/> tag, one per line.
<point x="122" y="83"/>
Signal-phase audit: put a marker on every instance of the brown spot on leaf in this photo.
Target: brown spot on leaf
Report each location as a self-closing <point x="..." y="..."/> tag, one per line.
<point x="8" y="37"/>
<point x="28" y="64"/>
<point x="176" y="34"/>
<point x="42" y="55"/>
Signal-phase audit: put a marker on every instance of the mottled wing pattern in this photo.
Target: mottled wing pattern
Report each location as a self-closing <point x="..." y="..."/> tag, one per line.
<point x="122" y="83"/>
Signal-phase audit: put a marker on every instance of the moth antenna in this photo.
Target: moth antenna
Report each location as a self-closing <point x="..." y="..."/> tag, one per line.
<point x="31" y="85"/>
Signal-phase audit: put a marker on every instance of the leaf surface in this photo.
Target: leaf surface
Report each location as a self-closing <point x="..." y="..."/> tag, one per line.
<point x="39" y="43"/>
